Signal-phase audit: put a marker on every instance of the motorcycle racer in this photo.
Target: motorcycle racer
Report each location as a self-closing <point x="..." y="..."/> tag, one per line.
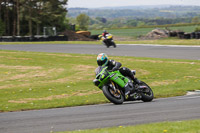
<point x="107" y="39"/>
<point x="104" y="33"/>
<point x="102" y="60"/>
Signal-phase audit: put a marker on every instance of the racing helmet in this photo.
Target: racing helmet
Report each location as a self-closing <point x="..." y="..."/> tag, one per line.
<point x="102" y="59"/>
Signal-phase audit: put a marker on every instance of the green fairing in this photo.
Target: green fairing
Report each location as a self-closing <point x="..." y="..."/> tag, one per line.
<point x="105" y="76"/>
<point x="119" y="79"/>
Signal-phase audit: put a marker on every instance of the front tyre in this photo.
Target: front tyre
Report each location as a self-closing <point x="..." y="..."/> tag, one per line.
<point x="146" y="93"/>
<point x="112" y="96"/>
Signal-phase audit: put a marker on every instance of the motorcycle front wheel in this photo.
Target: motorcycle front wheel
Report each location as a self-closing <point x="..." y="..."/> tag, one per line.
<point x="113" y="96"/>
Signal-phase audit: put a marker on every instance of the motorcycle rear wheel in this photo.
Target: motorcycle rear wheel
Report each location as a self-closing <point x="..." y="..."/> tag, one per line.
<point x="112" y="96"/>
<point x="147" y="93"/>
<point x="114" y="45"/>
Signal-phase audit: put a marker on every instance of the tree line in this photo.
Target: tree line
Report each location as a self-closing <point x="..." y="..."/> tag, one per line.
<point x="28" y="17"/>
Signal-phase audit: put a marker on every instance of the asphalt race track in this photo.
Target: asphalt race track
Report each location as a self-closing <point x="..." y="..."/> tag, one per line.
<point x="155" y="51"/>
<point x="99" y="116"/>
<point x="105" y="115"/>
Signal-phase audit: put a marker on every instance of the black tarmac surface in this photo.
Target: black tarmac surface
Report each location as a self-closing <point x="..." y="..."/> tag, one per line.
<point x="155" y="51"/>
<point x="99" y="116"/>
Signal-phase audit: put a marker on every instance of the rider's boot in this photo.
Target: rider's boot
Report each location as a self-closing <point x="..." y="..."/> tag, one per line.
<point x="131" y="74"/>
<point x="134" y="79"/>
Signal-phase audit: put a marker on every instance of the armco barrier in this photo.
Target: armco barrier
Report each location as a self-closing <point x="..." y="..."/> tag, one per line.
<point x="187" y="36"/>
<point x="6" y="39"/>
<point x="197" y="36"/>
<point x="181" y="35"/>
<point x="193" y="35"/>
<point x="94" y="37"/>
<point x="173" y="33"/>
<point x="32" y="38"/>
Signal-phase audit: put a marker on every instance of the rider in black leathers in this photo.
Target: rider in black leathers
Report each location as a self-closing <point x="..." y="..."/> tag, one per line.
<point x="102" y="60"/>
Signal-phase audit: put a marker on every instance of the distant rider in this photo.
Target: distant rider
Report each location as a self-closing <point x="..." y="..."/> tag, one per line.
<point x="102" y="60"/>
<point x="104" y="33"/>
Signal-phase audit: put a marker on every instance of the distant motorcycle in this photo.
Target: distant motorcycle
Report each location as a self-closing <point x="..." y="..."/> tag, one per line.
<point x="113" y="85"/>
<point x="108" y="40"/>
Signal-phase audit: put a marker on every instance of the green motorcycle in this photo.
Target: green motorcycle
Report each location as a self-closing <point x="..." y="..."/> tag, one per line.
<point x="114" y="85"/>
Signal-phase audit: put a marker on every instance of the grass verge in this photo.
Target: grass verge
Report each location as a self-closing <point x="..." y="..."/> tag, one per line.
<point x="33" y="80"/>
<point x="53" y="42"/>
<point x="164" y="42"/>
<point x="191" y="126"/>
<point x="169" y="41"/>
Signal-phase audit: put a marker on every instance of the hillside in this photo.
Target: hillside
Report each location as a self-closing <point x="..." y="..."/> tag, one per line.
<point x="165" y="11"/>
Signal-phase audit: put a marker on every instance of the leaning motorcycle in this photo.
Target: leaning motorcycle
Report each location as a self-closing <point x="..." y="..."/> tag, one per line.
<point x="113" y="84"/>
<point x="107" y="40"/>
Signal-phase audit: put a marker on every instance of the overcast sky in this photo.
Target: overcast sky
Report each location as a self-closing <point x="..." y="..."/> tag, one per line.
<point x="114" y="3"/>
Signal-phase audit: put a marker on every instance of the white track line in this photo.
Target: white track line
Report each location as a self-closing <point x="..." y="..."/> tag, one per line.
<point x="188" y="97"/>
<point x="157" y="45"/>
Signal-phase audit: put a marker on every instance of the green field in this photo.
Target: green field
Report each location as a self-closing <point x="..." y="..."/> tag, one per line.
<point x="163" y="127"/>
<point x="33" y="80"/>
<point x="135" y="32"/>
<point x="125" y="32"/>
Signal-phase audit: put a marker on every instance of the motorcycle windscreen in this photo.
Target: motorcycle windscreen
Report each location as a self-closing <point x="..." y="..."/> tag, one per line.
<point x="98" y="70"/>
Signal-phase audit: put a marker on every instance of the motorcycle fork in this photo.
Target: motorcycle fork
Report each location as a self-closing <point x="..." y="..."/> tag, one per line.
<point x="116" y="90"/>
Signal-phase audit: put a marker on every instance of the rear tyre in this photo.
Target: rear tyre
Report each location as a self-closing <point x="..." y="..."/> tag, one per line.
<point x="113" y="97"/>
<point x="107" y="45"/>
<point x="146" y="93"/>
<point x="114" y="45"/>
